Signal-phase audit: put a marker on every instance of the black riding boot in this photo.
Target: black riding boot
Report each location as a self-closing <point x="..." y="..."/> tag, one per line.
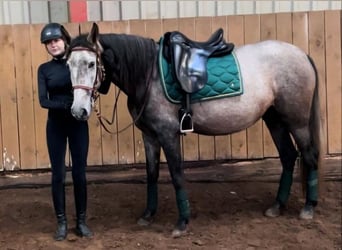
<point x="81" y="227"/>
<point x="62" y="228"/>
<point x="58" y="194"/>
<point x="80" y="192"/>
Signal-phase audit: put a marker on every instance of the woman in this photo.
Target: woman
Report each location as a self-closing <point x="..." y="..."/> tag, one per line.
<point x="55" y="94"/>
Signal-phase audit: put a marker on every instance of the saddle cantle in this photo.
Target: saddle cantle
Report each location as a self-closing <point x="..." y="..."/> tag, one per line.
<point x="189" y="58"/>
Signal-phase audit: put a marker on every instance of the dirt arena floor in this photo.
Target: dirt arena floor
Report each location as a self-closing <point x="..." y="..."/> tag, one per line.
<point x="227" y="202"/>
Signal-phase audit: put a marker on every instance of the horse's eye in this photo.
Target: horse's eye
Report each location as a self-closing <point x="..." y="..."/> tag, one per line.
<point x="91" y="65"/>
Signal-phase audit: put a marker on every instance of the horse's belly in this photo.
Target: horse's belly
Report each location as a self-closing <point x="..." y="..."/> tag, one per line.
<point x="212" y="119"/>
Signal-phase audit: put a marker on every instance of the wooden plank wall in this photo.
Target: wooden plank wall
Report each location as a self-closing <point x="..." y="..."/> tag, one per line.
<point x="22" y="120"/>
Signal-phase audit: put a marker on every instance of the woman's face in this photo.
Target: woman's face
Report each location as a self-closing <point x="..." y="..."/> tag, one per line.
<point x="55" y="47"/>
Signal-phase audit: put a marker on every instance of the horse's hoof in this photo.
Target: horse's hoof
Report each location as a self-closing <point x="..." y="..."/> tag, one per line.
<point x="307" y="213"/>
<point x="180" y="229"/>
<point x="177" y="233"/>
<point x="143" y="222"/>
<point x="273" y="211"/>
<point x="146" y="219"/>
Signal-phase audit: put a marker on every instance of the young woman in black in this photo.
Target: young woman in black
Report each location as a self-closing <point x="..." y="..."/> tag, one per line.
<point x="55" y="94"/>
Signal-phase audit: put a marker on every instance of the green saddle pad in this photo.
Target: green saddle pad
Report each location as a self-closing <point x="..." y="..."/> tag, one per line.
<point x="224" y="79"/>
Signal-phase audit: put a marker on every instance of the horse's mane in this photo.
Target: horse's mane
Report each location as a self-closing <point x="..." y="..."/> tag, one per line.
<point x="133" y="56"/>
<point x="129" y="59"/>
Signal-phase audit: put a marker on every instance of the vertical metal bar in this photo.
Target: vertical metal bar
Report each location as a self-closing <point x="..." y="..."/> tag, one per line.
<point x="140" y="10"/>
<point x="49" y="11"/>
<point x="120" y="9"/>
<point x="273" y="6"/>
<point x="197" y="9"/>
<point x="101" y="10"/>
<point x="29" y="12"/>
<point x="216" y="8"/>
<point x="159" y="10"/>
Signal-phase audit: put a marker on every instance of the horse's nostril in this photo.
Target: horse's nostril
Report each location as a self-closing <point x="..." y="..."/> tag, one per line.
<point x="81" y="114"/>
<point x="84" y="112"/>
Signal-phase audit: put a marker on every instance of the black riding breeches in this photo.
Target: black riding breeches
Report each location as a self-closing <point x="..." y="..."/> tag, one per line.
<point x="60" y="129"/>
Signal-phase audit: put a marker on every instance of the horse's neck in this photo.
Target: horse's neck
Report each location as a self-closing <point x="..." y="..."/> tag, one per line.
<point x="134" y="57"/>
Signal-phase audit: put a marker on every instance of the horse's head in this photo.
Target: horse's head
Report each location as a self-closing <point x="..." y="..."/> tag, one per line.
<point x="86" y="71"/>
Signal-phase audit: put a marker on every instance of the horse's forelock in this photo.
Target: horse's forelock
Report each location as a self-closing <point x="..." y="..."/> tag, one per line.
<point x="81" y="41"/>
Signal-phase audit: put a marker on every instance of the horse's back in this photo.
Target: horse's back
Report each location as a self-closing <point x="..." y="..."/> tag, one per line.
<point x="282" y="67"/>
<point x="273" y="73"/>
<point x="270" y="55"/>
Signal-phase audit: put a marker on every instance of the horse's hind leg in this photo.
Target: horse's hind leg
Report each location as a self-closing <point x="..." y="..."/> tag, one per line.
<point x="287" y="153"/>
<point x="152" y="153"/>
<point x="310" y="154"/>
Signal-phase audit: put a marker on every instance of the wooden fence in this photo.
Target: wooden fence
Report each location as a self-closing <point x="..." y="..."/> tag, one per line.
<point x="22" y="120"/>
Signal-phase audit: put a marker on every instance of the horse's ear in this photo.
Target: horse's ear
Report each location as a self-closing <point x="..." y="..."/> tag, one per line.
<point x="93" y="34"/>
<point x="66" y="35"/>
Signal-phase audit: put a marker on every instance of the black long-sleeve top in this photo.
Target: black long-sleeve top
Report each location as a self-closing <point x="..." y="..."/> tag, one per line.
<point x="54" y="85"/>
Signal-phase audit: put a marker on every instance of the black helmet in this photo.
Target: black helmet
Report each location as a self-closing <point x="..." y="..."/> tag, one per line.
<point x="54" y="31"/>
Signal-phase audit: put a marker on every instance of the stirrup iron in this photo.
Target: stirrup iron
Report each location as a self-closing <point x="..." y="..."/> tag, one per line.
<point x="186" y="125"/>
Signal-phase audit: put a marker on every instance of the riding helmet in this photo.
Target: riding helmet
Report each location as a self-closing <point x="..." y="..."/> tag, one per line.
<point x="52" y="31"/>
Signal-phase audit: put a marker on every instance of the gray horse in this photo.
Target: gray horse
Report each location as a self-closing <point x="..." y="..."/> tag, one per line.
<point x="280" y="85"/>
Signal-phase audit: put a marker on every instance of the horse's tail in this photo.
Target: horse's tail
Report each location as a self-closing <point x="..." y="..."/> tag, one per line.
<point x="315" y="129"/>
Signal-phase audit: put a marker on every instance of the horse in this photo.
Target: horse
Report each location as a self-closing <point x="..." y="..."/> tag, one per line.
<point x="280" y="86"/>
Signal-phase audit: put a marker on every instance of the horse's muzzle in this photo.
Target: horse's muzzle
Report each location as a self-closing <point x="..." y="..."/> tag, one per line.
<point x="81" y="114"/>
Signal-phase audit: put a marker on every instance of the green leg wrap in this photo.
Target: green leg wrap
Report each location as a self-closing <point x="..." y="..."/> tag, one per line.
<point x="312" y="188"/>
<point x="152" y="197"/>
<point x="183" y="204"/>
<point x="285" y="186"/>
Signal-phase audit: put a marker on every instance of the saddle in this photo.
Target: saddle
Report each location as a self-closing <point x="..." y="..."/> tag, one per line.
<point x="186" y="55"/>
<point x="188" y="59"/>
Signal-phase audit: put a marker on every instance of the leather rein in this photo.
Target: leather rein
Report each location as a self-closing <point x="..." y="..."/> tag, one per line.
<point x="100" y="76"/>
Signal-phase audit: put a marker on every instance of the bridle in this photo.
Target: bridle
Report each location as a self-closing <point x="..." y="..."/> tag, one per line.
<point x="100" y="72"/>
<point x="99" y="77"/>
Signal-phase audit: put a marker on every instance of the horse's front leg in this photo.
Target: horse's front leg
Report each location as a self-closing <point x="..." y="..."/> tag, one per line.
<point x="171" y="148"/>
<point x="152" y="153"/>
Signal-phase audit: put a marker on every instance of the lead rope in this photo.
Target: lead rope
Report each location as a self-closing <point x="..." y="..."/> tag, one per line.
<point x="102" y="119"/>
